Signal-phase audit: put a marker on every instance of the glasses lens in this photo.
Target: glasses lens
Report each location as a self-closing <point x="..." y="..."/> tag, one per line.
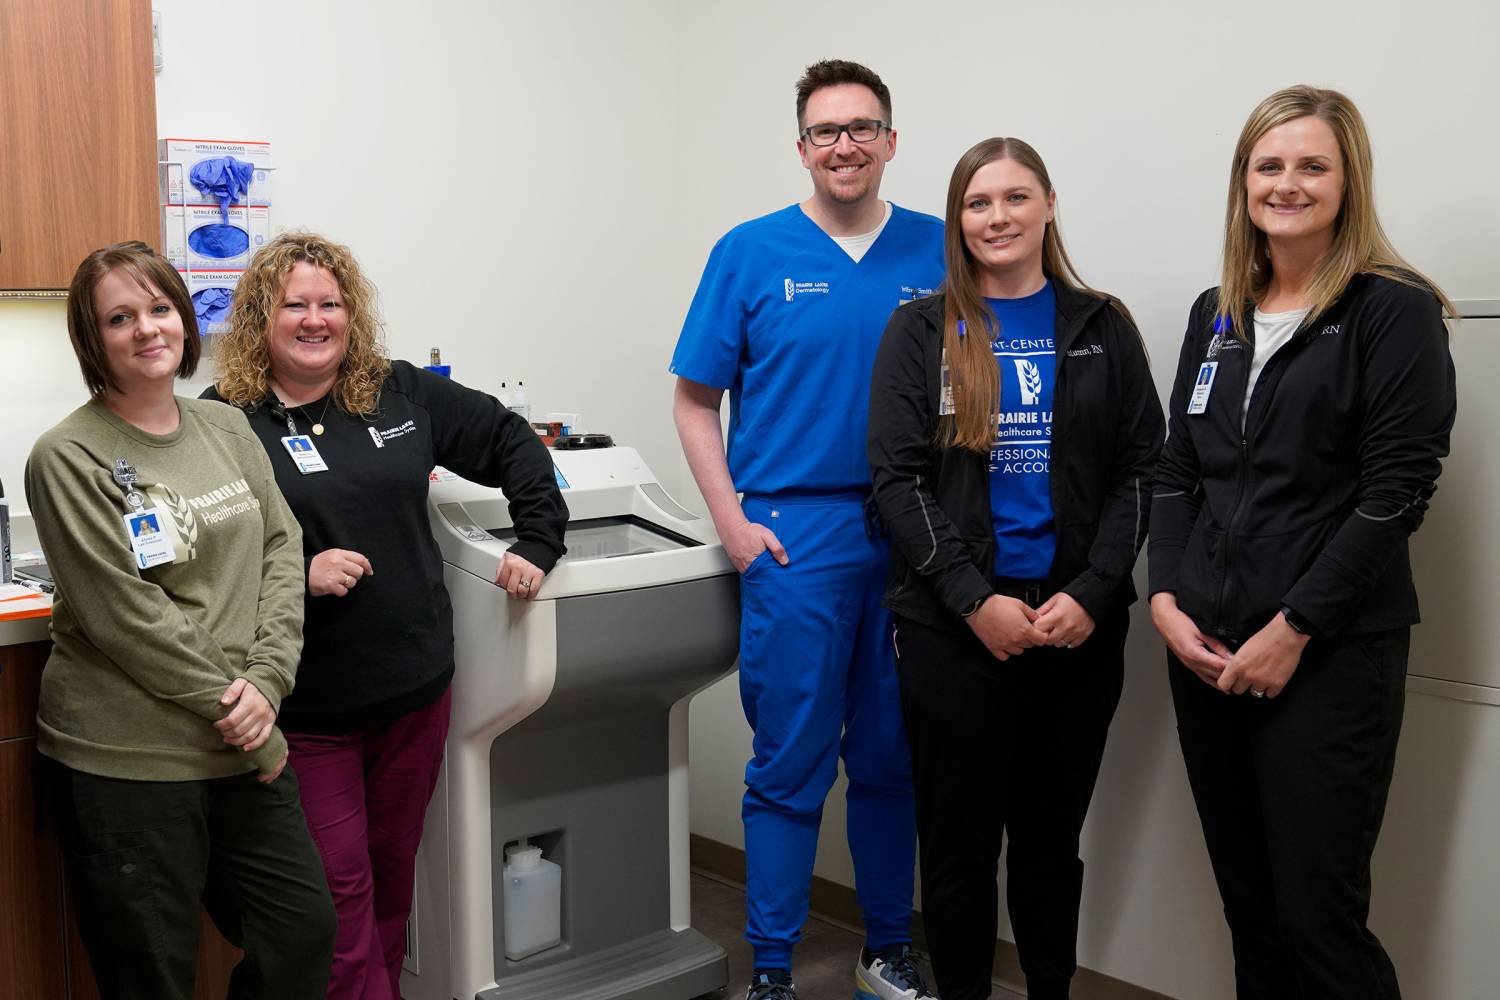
<point x="863" y="130"/>
<point x="823" y="135"/>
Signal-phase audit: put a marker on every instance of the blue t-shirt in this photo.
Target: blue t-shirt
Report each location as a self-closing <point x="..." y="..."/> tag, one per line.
<point x="1020" y="477"/>
<point x="789" y="324"/>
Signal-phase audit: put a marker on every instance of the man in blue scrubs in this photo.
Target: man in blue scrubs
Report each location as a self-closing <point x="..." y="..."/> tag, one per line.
<point x="787" y="318"/>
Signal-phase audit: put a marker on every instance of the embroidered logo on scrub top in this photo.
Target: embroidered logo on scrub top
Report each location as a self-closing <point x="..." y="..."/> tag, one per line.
<point x="796" y="288"/>
<point x="910" y="293"/>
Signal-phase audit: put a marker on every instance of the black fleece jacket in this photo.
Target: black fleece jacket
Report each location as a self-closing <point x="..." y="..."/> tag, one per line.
<point x="386" y="648"/>
<point x="1106" y="433"/>
<point x="1310" y="504"/>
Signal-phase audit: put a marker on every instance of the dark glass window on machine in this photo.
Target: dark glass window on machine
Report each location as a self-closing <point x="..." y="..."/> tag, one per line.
<point x="612" y="537"/>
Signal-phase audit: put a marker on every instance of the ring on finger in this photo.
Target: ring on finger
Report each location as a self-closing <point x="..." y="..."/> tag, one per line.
<point x="525" y="584"/>
<point x="1257" y="692"/>
<point x="348" y="580"/>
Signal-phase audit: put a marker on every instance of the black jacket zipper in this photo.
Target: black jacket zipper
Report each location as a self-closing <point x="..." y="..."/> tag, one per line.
<point x="1275" y="360"/>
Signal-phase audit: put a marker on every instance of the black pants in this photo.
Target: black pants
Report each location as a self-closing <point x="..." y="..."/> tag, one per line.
<point x="1004" y="749"/>
<point x="1291" y="792"/>
<point x="142" y="854"/>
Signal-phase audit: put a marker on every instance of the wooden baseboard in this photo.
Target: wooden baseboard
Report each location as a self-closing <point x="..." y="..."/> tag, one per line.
<point x="838" y="905"/>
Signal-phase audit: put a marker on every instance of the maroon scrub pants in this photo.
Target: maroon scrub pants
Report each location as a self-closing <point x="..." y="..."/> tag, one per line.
<point x="365" y="795"/>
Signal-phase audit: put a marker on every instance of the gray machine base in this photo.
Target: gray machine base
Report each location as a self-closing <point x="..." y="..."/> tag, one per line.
<point x="665" y="965"/>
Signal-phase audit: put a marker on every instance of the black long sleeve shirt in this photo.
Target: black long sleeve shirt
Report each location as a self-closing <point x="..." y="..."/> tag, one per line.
<point x="386" y="648"/>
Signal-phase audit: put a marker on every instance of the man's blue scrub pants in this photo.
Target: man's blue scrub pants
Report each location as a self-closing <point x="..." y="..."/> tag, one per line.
<point x="818" y="680"/>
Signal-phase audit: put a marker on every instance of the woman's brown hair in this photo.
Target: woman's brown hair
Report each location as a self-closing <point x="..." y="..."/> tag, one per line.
<point x="154" y="274"/>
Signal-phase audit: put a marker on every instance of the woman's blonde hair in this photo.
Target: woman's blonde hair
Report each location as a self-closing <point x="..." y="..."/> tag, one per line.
<point x="972" y="372"/>
<point x="1360" y="245"/>
<point x="243" y="354"/>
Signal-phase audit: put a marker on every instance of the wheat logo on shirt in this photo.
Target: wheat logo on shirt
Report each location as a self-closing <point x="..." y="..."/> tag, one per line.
<point x="791" y="289"/>
<point x="1030" y="379"/>
<point x="185" y="516"/>
<point x="178" y="522"/>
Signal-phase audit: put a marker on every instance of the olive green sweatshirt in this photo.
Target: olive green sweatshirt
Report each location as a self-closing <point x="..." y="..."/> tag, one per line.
<point x="140" y="658"/>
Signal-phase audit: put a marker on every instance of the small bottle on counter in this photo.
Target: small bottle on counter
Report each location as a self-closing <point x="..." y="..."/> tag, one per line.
<point x="5" y="576"/>
<point x="518" y="401"/>
<point x="436" y="366"/>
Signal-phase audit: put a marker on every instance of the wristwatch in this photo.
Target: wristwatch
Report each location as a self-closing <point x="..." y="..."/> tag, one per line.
<point x="1299" y="624"/>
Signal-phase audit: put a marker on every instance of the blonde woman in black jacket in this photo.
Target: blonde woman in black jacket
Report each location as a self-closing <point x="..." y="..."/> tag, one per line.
<point x="1309" y="417"/>
<point x="1013" y="432"/>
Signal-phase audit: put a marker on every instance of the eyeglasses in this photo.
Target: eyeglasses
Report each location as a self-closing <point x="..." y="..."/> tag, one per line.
<point x="860" y="130"/>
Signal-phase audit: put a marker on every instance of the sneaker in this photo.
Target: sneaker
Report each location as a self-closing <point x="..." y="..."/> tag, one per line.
<point x="771" y="984"/>
<point x="889" y="975"/>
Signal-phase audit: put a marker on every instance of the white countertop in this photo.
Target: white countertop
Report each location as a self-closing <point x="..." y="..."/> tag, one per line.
<point x="25" y="630"/>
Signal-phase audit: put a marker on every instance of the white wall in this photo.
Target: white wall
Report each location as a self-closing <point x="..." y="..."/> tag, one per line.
<point x="534" y="188"/>
<point x="505" y="173"/>
<point x="39" y="384"/>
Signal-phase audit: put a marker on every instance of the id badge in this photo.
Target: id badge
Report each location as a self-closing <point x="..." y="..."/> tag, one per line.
<point x="1205" y="384"/>
<point x="304" y="453"/>
<point x="945" y="389"/>
<point x="148" y="538"/>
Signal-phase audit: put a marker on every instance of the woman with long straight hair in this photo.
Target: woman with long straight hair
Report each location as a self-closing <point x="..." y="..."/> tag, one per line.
<point x="1013" y="432"/>
<point x="1309" y="418"/>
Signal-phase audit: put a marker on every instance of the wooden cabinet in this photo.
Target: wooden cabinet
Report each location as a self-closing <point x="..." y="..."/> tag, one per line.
<point x="77" y="135"/>
<point x="20" y="681"/>
<point x="31" y="919"/>
<point x="43" y="955"/>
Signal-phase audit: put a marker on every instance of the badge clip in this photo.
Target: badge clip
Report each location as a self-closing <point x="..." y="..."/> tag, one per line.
<point x="125" y="476"/>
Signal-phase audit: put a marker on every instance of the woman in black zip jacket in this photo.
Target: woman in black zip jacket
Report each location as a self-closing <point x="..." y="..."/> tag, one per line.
<point x="1308" y="421"/>
<point x="1015" y="536"/>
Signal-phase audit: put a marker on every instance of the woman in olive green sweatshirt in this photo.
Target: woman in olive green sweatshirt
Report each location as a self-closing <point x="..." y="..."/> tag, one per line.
<point x="176" y="630"/>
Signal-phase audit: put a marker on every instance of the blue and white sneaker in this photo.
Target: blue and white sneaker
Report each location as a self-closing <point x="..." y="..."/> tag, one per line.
<point x="771" y="984"/>
<point x="889" y="975"/>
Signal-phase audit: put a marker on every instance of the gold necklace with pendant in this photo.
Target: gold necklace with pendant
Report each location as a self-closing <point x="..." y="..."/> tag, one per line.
<point x="317" y="426"/>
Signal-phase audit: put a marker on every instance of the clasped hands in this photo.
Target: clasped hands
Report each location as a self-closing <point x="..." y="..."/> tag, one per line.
<point x="249" y="722"/>
<point x="1008" y="626"/>
<point x="1263" y="665"/>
